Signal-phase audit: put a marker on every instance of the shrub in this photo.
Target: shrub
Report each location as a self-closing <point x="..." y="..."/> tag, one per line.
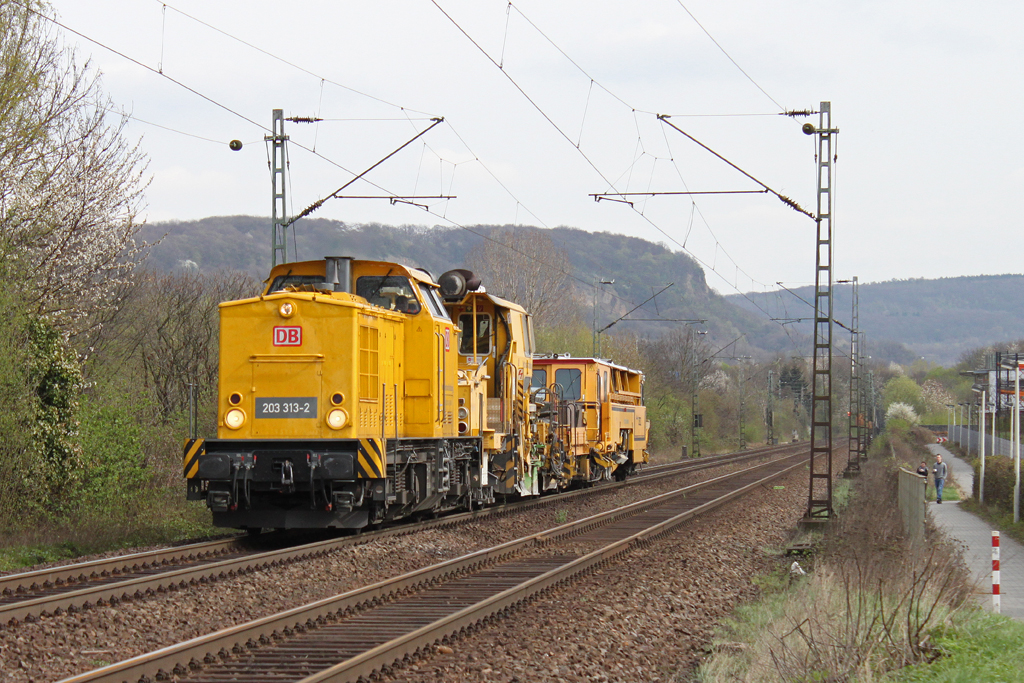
<point x="999" y="481"/>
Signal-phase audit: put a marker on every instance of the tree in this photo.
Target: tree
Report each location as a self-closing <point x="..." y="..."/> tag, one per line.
<point x="902" y="389"/>
<point x="70" y="184"/>
<point x="167" y="332"/>
<point x="526" y="267"/>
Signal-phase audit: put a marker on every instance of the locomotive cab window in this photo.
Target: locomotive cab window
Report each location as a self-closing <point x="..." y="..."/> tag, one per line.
<point x="571" y="381"/>
<point x="433" y="303"/>
<point x="539" y="379"/>
<point x="393" y="292"/>
<point x="483" y="334"/>
<point x="295" y="283"/>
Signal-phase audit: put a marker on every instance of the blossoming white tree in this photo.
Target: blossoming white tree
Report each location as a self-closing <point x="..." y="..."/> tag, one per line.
<point x="71" y="185"/>
<point x="901" y="411"/>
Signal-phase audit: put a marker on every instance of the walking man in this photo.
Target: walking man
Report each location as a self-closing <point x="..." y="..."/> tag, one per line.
<point x="939" y="471"/>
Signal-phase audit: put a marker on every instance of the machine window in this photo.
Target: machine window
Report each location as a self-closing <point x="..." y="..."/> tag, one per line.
<point x="571" y="381"/>
<point x="483" y="334"/>
<point x="390" y="292"/>
<point x="539" y="379"/>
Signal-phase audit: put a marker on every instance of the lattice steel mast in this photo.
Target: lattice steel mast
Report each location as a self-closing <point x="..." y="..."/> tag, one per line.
<point x="279" y="211"/>
<point x="856" y="418"/>
<point x="819" y="499"/>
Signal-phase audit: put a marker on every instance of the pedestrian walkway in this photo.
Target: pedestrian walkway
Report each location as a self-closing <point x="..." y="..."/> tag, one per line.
<point x="976" y="536"/>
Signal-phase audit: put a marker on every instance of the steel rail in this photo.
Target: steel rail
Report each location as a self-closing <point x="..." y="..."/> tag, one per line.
<point x="120" y="564"/>
<point x="138" y="578"/>
<point x="183" y="658"/>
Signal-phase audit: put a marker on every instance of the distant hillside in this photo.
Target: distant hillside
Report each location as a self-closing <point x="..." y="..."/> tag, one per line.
<point x="638" y="267"/>
<point x="937" y="319"/>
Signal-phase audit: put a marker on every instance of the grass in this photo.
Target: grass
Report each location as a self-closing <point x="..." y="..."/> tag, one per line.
<point x="948" y="493"/>
<point x="163" y="517"/>
<point x="14" y="558"/>
<point x="997" y="517"/>
<point x="975" y="646"/>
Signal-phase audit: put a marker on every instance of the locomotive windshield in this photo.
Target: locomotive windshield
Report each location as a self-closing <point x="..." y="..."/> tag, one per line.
<point x="390" y="291"/>
<point x="300" y="283"/>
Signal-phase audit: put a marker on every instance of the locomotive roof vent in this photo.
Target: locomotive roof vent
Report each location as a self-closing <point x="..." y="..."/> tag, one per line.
<point x="337" y="273"/>
<point x="455" y="283"/>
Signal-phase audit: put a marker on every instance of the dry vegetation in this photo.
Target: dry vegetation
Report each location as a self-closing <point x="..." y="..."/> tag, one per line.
<point x="870" y="603"/>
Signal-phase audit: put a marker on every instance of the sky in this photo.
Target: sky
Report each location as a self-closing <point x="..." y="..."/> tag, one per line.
<point x="546" y="103"/>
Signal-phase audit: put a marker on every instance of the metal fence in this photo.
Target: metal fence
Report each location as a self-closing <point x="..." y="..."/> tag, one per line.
<point x="913" y="505"/>
<point x="968" y="438"/>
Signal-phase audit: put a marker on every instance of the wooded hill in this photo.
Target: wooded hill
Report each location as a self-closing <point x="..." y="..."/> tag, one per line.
<point x="903" y="319"/>
<point x="639" y="268"/>
<point x="938" y="319"/>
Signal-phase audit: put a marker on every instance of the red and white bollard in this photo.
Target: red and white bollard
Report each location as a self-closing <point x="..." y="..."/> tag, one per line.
<point x="995" y="571"/>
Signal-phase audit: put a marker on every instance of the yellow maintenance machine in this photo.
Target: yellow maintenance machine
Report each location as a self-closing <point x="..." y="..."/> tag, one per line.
<point x="598" y="427"/>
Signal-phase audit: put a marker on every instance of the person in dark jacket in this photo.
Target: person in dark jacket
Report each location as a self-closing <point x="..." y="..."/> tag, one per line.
<point x="923" y="470"/>
<point x="939" y="471"/>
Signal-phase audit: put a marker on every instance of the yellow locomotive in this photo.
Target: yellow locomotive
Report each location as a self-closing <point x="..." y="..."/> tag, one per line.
<point x="355" y="392"/>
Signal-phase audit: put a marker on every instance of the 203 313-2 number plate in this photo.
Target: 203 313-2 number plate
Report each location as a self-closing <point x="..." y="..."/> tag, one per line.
<point x="291" y="406"/>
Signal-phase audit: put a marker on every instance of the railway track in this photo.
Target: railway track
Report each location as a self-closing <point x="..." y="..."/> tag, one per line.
<point x="108" y="581"/>
<point x="371" y="629"/>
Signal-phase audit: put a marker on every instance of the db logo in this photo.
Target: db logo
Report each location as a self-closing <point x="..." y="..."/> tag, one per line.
<point x="287" y="336"/>
<point x="447" y="338"/>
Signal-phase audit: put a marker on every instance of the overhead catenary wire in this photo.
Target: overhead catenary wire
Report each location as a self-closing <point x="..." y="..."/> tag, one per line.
<point x="566" y="136"/>
<point x="729" y="57"/>
<point x="288" y="63"/>
<point x="313" y="151"/>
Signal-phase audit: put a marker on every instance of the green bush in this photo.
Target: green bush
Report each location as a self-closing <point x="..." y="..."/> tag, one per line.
<point x="999" y="481"/>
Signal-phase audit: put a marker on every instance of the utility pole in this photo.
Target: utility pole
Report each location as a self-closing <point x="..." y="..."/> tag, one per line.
<point x="743" y="385"/>
<point x="819" y="498"/>
<point x="769" y="412"/>
<point x="279" y="208"/>
<point x="697" y="422"/>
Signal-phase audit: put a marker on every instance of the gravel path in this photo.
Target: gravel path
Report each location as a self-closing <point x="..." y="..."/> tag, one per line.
<point x="53" y="648"/>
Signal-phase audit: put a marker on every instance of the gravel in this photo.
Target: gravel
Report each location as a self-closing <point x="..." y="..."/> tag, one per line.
<point x="615" y="604"/>
<point x="650" y="617"/>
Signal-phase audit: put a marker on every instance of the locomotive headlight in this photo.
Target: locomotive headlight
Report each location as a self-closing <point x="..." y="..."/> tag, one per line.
<point x="234" y="418"/>
<point x="463" y="412"/>
<point x="337" y="418"/>
<point x="337" y="398"/>
<point x="287" y="309"/>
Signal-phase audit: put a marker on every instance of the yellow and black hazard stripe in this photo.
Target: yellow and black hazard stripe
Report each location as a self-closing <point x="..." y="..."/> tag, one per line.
<point x="193" y="449"/>
<point x="370" y="459"/>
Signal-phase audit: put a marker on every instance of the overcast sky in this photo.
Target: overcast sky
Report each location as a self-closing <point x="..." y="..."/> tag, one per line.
<point x="926" y="96"/>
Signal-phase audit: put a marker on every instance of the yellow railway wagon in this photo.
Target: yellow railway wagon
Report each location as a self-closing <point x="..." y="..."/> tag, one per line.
<point x="337" y="402"/>
<point x="601" y="410"/>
